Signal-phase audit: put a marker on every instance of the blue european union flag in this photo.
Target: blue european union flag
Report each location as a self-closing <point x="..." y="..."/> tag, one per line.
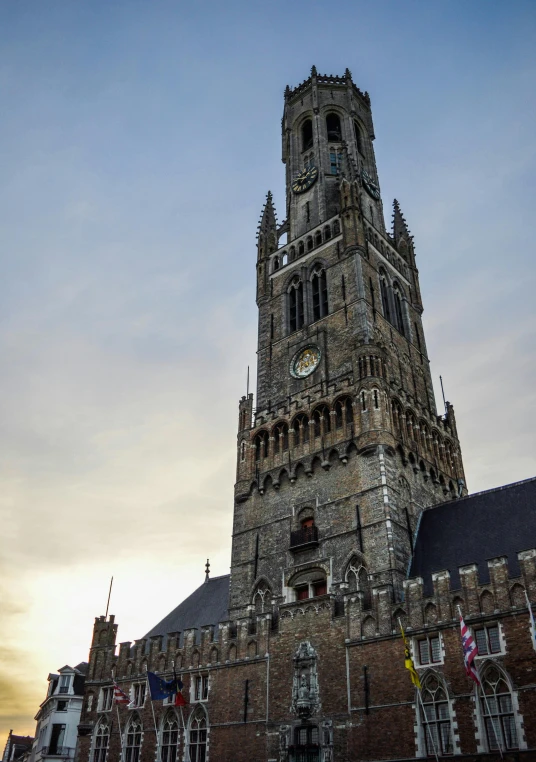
<point x="160" y="688"/>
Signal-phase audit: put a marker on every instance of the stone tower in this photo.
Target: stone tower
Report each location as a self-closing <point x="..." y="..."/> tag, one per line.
<point x="345" y="447"/>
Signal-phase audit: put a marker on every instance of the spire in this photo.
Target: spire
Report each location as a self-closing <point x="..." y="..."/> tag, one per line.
<point x="207" y="571"/>
<point x="400" y="227"/>
<point x="267" y="230"/>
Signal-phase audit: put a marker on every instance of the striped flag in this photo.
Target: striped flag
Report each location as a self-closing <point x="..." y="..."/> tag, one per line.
<point x="469" y="652"/>
<point x="532" y="623"/>
<point x="120" y="697"/>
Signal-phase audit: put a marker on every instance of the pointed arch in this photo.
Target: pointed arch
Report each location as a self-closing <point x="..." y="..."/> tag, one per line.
<point x="498" y="708"/>
<point x="101" y="741"/>
<point x="369" y="627"/>
<point x="169" y="737"/>
<point x="261" y="598"/>
<point x="487" y="602"/>
<point x="133" y="739"/>
<point x="198" y="734"/>
<point x="430" y="613"/>
<point x="517" y="595"/>
<point x="435" y="716"/>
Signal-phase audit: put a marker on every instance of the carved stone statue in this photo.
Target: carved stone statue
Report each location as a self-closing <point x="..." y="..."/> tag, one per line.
<point x="305" y="693"/>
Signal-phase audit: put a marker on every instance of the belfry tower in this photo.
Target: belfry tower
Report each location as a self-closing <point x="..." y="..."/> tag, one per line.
<point x="345" y="447"/>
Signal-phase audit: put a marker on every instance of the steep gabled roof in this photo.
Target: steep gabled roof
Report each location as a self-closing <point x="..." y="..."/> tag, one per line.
<point x="206" y="605"/>
<point x="473" y="529"/>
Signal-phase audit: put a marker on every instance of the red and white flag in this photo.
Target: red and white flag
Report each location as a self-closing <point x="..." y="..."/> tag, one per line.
<point x="120" y="697"/>
<point x="469" y="652"/>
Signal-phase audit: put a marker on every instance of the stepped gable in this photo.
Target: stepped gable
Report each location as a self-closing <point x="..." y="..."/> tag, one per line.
<point x="474" y="529"/>
<point x="206" y="605"/>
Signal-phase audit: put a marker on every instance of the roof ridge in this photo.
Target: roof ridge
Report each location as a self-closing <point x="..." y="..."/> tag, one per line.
<point x="483" y="492"/>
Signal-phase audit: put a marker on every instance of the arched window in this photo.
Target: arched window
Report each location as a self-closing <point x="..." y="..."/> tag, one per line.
<point x="396" y="411"/>
<point x="497" y="710"/>
<point x="243" y="451"/>
<point x="320" y="292"/>
<point x="262" y="597"/>
<point x="310" y="243"/>
<point x="435" y="719"/>
<point x="358" y="581"/>
<point x="327" y="233"/>
<point x="310" y="584"/>
<point x="295" y="304"/>
<point x="376" y="398"/>
<point x="410" y="425"/>
<point x="133" y="741"/>
<point x="336" y="227"/>
<point x="101" y="741"/>
<point x="424" y="436"/>
<point x="333" y="127"/>
<point x="384" y="291"/>
<point x="307" y="134"/>
<point x="318" y="238"/>
<point x="435" y="445"/>
<point x="301" y="429"/>
<point x="292" y="254"/>
<point x="280" y="438"/>
<point x="398" y="309"/>
<point x="344" y="412"/>
<point x="261" y="445"/>
<point x="358" y="138"/>
<point x="301" y="248"/>
<point x="197" y="746"/>
<point x="275" y="264"/>
<point x="170" y="739"/>
<point x="321" y="420"/>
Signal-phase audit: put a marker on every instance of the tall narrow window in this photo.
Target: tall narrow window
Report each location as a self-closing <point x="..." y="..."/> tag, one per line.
<point x="335" y="161"/>
<point x="435" y="718"/>
<point x="385" y="297"/>
<point x="307" y="135"/>
<point x="198" y="737"/>
<point x="102" y="738"/>
<point x="363" y="401"/>
<point x="170" y="739"/>
<point x="498" y="711"/>
<point x="333" y="127"/>
<point x="358" y="138"/>
<point x="320" y="293"/>
<point x="398" y="309"/>
<point x="56" y="739"/>
<point x="301" y="429"/>
<point x="132" y="749"/>
<point x="376" y="401"/>
<point x="295" y="301"/>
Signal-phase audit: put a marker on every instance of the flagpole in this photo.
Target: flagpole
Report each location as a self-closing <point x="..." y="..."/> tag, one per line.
<point x="532" y="624"/>
<point x="483" y="692"/>
<point x="117" y="710"/>
<point x="154" y="717"/>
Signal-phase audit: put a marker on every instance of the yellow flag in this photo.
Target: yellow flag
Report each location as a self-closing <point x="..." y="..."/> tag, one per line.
<point x="408" y="661"/>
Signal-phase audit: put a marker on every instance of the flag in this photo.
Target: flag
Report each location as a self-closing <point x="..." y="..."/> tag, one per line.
<point x="120" y="697"/>
<point x="532" y="623"/>
<point x="179" y="698"/>
<point x="469" y="652"/>
<point x="408" y="661"/>
<point x="160" y="688"/>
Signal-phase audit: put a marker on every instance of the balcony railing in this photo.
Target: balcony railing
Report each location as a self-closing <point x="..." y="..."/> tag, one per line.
<point x="57" y="751"/>
<point x="306" y="536"/>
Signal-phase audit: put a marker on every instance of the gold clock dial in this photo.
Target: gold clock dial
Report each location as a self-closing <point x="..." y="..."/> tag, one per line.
<point x="305" y="180"/>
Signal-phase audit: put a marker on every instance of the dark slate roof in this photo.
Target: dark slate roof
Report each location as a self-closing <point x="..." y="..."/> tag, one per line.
<point x="473" y="529"/>
<point x="206" y="605"/>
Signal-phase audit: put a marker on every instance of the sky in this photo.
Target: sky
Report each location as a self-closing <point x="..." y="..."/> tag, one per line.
<point x="137" y="143"/>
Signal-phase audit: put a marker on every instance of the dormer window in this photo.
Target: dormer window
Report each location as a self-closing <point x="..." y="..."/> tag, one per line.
<point x="333" y="127"/>
<point x="65" y="682"/>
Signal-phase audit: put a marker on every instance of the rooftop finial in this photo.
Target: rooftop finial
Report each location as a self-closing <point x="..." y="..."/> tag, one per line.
<point x="348" y="73"/>
<point x="207" y="570"/>
<point x="313" y="71"/>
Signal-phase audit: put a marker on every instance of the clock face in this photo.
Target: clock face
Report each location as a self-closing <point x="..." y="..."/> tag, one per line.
<point x="304" y="180"/>
<point x="370" y="186"/>
<point x="305" y="361"/>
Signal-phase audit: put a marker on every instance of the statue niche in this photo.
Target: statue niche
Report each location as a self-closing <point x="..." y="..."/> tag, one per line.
<point x="305" y="693"/>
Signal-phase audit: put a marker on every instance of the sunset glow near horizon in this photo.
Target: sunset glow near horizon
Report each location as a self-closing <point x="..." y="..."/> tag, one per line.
<point x="138" y="142"/>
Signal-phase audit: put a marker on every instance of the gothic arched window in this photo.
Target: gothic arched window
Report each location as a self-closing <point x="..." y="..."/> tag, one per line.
<point x="197" y="746"/>
<point x="262" y="597"/>
<point x="301" y="429"/>
<point x="397" y="417"/>
<point x="497" y="710"/>
<point x="133" y="741"/>
<point x="333" y="127"/>
<point x="410" y="425"/>
<point x="320" y="292"/>
<point x="398" y="309"/>
<point x="321" y="420"/>
<point x="170" y="739"/>
<point x="261" y="445"/>
<point x="435" y="719"/>
<point x="384" y="291"/>
<point x="295" y="305"/>
<point x="301" y="248"/>
<point x="280" y="437"/>
<point x="100" y="743"/>
<point x="307" y="134"/>
<point x="344" y="412"/>
<point x="358" y="138"/>
<point x="335" y="162"/>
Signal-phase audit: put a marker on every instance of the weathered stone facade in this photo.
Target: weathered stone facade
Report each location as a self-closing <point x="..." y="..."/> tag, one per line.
<point x="335" y="467"/>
